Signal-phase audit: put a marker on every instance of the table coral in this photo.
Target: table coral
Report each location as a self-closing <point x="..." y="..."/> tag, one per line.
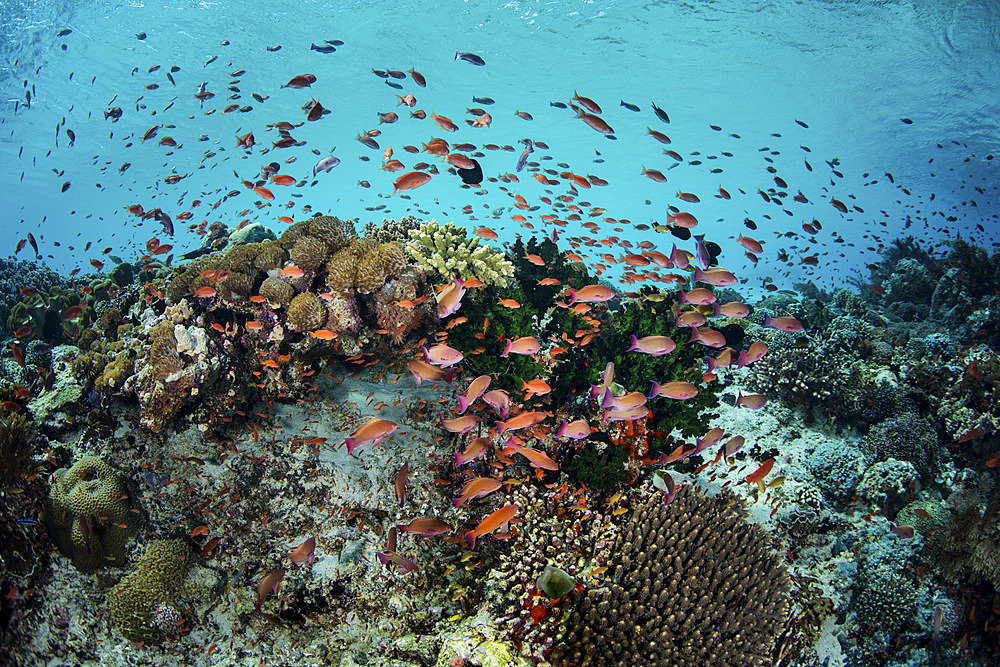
<point x="89" y="514"/>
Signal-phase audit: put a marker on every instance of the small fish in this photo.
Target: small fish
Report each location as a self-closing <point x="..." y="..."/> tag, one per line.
<point x="371" y="431"/>
<point x="491" y="523"/>
<point x="272" y="49"/>
<point x="630" y="107"/>
<point x="660" y="113"/>
<point x="63" y="32"/>
<point x="301" y="81"/>
<point x="322" y="48"/>
<point x="483" y="100"/>
<point x="470" y="58"/>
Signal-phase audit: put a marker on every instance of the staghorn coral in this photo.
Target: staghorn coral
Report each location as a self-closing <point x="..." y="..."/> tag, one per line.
<point x="307" y="312"/>
<point x="141" y="601"/>
<point x="690" y="583"/>
<point x="277" y="291"/>
<point x="448" y="250"/>
<point x="89" y="514"/>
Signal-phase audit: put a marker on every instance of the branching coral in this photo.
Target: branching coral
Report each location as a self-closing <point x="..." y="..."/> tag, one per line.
<point x="450" y="251"/>
<point x="690" y="583"/>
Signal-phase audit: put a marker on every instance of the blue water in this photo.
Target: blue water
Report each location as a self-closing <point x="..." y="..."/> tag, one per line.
<point x="849" y="70"/>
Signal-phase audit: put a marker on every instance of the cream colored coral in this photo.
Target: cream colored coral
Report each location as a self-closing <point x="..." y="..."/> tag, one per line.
<point x="449" y="250"/>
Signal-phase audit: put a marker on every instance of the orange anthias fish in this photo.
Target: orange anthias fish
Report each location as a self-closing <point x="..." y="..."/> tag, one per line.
<point x="492" y="522"/>
<point x="758" y="475"/>
<point x="410" y="180"/>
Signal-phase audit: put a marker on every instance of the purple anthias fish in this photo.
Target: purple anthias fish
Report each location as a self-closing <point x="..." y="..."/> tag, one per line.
<point x="576" y="430"/>
<point x="523" y="160"/>
<point x="701" y="252"/>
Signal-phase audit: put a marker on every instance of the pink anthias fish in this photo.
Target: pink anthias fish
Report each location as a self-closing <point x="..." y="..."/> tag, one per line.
<point x="717" y="277"/>
<point x="424" y="371"/>
<point x="756" y="352"/>
<point x="475" y="450"/>
<point x="475" y="390"/>
<point x="424" y="526"/>
<point x="523" y="420"/>
<point x="633" y="414"/>
<point x="679" y="391"/>
<point x="476" y="488"/>
<point x="708" y="337"/>
<point x="405" y="565"/>
<point x="449" y="300"/>
<point x="751" y="401"/>
<point x="690" y="318"/>
<point x="462" y="424"/>
<point x="723" y="360"/>
<point x="786" y="324"/>
<point x="654" y="345"/>
<point x="699" y="296"/>
<point x="732" y="446"/>
<point x="523" y="345"/>
<point x="441" y="355"/>
<point x="680" y="258"/>
<point x="631" y="400"/>
<point x="371" y="431"/>
<point x="590" y="294"/>
<point x="536" y="458"/>
<point x="710" y="438"/>
<point x="499" y="400"/>
<point x="575" y="430"/>
<point x="269" y="584"/>
<point x="304" y="552"/>
<point x="733" y="309"/>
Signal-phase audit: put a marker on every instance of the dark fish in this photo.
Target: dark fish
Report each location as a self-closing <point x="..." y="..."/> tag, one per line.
<point x="630" y="107"/>
<point x="71" y="135"/>
<point x="210" y="61"/>
<point x="140" y="36"/>
<point x="483" y="100"/>
<point x="175" y="68"/>
<point x="316" y="111"/>
<point x="65" y="187"/>
<point x="334" y="42"/>
<point x="272" y="49"/>
<point x="472" y="176"/>
<point x="323" y="48"/>
<point x="800" y="123"/>
<point x="396" y="74"/>
<point x="257" y="97"/>
<point x="171" y="79"/>
<point x="558" y="105"/>
<point x="528" y="150"/>
<point x="470" y="58"/>
<point x="660" y="113"/>
<point x="683" y="233"/>
<point x="34" y="246"/>
<point x="393" y="84"/>
<point x="63" y="32"/>
<point x="907" y="121"/>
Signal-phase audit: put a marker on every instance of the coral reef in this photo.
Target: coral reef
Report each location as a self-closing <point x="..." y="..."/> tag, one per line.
<point x="89" y="514"/>
<point x="139" y="605"/>
<point x="16" y="461"/>
<point x="905" y="437"/>
<point x="450" y="251"/>
<point x="690" y="583"/>
<point x="971" y="545"/>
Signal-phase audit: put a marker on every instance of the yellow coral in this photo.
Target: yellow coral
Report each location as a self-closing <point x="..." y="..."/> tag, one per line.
<point x="271" y="256"/>
<point x="120" y="368"/>
<point x="89" y="513"/>
<point x="307" y="312"/>
<point x="137" y="599"/>
<point x="162" y="353"/>
<point x="277" y="291"/>
<point x="335" y="232"/>
<point x="309" y="252"/>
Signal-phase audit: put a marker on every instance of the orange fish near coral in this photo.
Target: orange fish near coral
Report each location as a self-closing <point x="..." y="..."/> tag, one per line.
<point x="371" y="431"/>
<point x="492" y="522"/>
<point x="410" y="180"/>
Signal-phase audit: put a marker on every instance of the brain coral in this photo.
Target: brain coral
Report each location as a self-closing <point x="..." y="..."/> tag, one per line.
<point x="139" y="598"/>
<point x="87" y="509"/>
<point x="307" y="312"/>
<point x="690" y="583"/>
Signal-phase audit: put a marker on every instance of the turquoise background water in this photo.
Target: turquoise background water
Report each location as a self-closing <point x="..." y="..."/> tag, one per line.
<point x="850" y="70"/>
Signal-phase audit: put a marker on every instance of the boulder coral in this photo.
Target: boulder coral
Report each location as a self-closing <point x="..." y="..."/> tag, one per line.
<point x="89" y="513"/>
<point x="140" y="603"/>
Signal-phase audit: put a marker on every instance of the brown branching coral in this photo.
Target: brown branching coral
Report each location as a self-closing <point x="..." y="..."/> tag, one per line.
<point x="691" y="583"/>
<point x="972" y="545"/>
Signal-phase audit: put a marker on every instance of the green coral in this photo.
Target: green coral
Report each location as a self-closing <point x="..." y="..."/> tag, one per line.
<point x="139" y="598"/>
<point x="450" y="251"/>
<point x="599" y="470"/>
<point x="90" y="514"/>
<point x="636" y="371"/>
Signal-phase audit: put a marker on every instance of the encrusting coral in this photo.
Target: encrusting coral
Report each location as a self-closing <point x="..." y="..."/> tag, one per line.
<point x="90" y="514"/>
<point x="140" y="601"/>
<point x="449" y="250"/>
<point x="690" y="583"/>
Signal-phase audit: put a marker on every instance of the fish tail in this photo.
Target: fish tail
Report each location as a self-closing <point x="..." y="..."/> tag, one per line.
<point x="471" y="536"/>
<point x="463" y="404"/>
<point x="634" y="344"/>
<point x="449" y="376"/>
<point x="350" y="445"/>
<point x="506" y="349"/>
<point x="654" y="390"/>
